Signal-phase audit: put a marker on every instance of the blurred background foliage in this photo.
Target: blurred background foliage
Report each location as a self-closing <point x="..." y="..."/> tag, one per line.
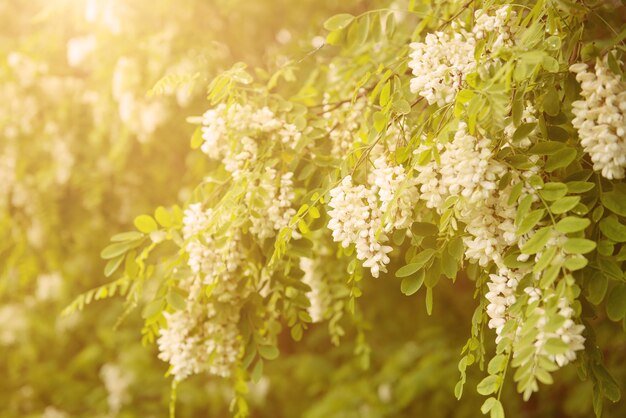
<point x="84" y="148"/>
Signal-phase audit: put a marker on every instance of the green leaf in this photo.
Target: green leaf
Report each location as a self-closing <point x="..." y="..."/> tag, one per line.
<point x="268" y="352"/>
<point x="176" y="300"/>
<point x="497" y="364"/>
<point x="516" y="192"/>
<point x="538" y="241"/>
<point x="488" y="404"/>
<point x="575" y="262"/>
<point x="488" y="385"/>
<point x="257" y="371"/>
<point x="127" y="236"/>
<point x="412" y="284"/>
<point x="545" y="259"/>
<point x="523" y="208"/>
<point x="145" y="223"/>
<point x="551" y="65"/>
<point x="523" y="131"/>
<point x="578" y="246"/>
<point x="560" y="159"/>
<point x="551" y="102"/>
<point x="564" y="204"/>
<point x="417" y="263"/>
<point x="549" y="276"/>
<point x="358" y="32"/>
<point x="616" y="303"/>
<point x="596" y="287"/>
<point x="613" y="229"/>
<point x="385" y="94"/>
<point x="572" y="224"/>
<point x="338" y="21"/>
<point x="553" y="190"/>
<point x="433" y="274"/>
<point x="553" y="43"/>
<point x="556" y="346"/>
<point x="424" y="229"/>
<point x="614" y="201"/>
<point x="530" y="221"/>
<point x="114" y="250"/>
<point x="112" y="265"/>
<point x="449" y="267"/>
<point x="380" y="121"/>
<point x="152" y="308"/>
<point x="579" y="186"/>
<point x="546" y="148"/>
<point x="401" y="106"/>
<point x="163" y="217"/>
<point x="297" y="332"/>
<point x="497" y="410"/>
<point x="196" y="139"/>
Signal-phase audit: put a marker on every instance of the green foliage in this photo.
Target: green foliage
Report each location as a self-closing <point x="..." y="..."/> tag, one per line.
<point x="262" y="275"/>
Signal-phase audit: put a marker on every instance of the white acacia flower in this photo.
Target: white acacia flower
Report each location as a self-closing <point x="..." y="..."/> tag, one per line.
<point x="600" y="117"/>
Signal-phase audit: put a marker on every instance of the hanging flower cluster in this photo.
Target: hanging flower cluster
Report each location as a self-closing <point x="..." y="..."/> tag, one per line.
<point x="441" y="63"/>
<point x="364" y="216"/>
<point x="204" y="336"/>
<point x="231" y="134"/>
<point x="268" y="219"/>
<point x="600" y="117"/>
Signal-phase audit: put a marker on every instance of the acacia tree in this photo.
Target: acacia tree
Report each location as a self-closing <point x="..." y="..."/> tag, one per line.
<point x="477" y="146"/>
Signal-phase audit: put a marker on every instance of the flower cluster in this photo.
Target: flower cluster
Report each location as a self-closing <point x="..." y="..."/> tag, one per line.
<point x="344" y="134"/>
<point x="467" y="171"/>
<point x="116" y="381"/>
<point x="363" y="216"/>
<point x="142" y="116"/>
<point x="567" y="331"/>
<point x="15" y="324"/>
<point x="204" y="336"/>
<point x="499" y="25"/>
<point x="600" y="117"/>
<point x="319" y="296"/>
<point x="270" y="203"/>
<point x="441" y="63"/>
<point x="200" y="339"/>
<point x="230" y="134"/>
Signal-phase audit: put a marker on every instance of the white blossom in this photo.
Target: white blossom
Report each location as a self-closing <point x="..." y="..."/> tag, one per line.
<point x="442" y="61"/>
<point x="230" y="134"/>
<point x="116" y="381"/>
<point x="14" y="324"/>
<point x="79" y="49"/>
<point x="440" y="64"/>
<point x="49" y="286"/>
<point x="600" y="117"/>
<point x="355" y="218"/>
<point x="270" y="203"/>
<point x="53" y="412"/>
<point x="319" y="295"/>
<point x="363" y="216"/>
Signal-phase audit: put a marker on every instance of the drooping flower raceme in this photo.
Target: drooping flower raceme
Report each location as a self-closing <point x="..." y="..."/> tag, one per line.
<point x="319" y="296"/>
<point x="440" y="64"/>
<point x="230" y="134"/>
<point x="364" y="216"/>
<point x="467" y="171"/>
<point x="355" y="218"/>
<point x="204" y="335"/>
<point x="442" y="61"/>
<point x="270" y="203"/>
<point x="600" y="117"/>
